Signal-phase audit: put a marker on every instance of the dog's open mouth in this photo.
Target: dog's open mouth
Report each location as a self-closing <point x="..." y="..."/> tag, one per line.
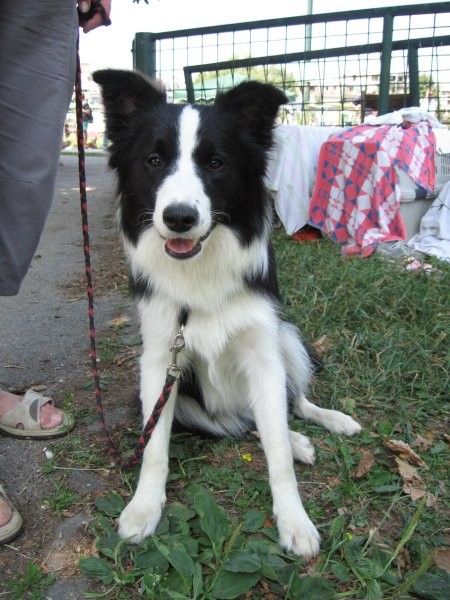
<point x="182" y="247"/>
<point x="185" y="247"/>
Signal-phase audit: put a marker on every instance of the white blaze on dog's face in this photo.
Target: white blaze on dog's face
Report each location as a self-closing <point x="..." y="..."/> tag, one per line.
<point x="182" y="214"/>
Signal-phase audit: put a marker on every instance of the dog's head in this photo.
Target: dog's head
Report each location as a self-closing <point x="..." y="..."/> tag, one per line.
<point x="184" y="169"/>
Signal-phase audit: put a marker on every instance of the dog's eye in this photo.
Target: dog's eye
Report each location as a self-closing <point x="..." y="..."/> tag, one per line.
<point x="215" y="163"/>
<point x="154" y="160"/>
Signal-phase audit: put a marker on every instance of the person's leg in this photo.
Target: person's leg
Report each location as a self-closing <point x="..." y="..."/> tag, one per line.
<point x="37" y="71"/>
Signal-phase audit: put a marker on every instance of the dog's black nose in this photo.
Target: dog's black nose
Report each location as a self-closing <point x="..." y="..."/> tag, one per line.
<point x="180" y="217"/>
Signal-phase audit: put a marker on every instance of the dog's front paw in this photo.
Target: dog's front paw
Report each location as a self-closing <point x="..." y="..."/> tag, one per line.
<point x="299" y="536"/>
<point x="338" y="422"/>
<point x="138" y="521"/>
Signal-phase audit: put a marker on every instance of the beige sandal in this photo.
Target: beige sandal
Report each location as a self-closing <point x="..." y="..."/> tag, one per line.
<point x="27" y="414"/>
<point x="9" y="530"/>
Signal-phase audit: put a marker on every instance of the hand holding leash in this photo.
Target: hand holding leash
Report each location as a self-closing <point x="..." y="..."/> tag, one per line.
<point x="93" y="14"/>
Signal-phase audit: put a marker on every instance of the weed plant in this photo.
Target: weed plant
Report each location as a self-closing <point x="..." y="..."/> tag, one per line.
<point x="30" y="586"/>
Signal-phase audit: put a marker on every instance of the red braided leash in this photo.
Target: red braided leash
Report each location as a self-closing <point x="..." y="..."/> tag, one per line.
<point x="170" y="379"/>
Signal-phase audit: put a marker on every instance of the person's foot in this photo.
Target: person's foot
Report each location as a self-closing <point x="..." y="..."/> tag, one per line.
<point x="49" y="417"/>
<point x="10" y="519"/>
<point x="5" y="512"/>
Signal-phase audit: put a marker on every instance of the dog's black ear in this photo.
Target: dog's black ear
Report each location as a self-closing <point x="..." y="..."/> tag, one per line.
<point x="123" y="93"/>
<point x="256" y="102"/>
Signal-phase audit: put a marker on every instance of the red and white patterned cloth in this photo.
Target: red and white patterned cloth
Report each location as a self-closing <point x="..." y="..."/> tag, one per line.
<point x="356" y="195"/>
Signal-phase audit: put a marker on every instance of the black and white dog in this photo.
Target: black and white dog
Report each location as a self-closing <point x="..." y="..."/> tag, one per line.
<point x="196" y="223"/>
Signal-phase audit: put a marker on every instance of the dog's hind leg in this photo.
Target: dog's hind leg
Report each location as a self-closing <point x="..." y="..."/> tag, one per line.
<point x="298" y="365"/>
<point x="333" y="420"/>
<point x="299" y="370"/>
<point x="302" y="449"/>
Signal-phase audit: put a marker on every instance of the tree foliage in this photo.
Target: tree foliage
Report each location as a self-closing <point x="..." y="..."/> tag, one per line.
<point x="277" y="75"/>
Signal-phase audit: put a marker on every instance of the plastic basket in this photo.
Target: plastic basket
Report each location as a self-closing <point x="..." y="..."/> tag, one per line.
<point x="410" y="191"/>
<point x="414" y="200"/>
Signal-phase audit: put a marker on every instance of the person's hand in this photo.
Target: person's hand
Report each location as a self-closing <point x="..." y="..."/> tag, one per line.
<point x="94" y="13"/>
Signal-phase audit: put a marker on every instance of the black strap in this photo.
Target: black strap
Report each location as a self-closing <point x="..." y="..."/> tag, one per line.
<point x="183" y="316"/>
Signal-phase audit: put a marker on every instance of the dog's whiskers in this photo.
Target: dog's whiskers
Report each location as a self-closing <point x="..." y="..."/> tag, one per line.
<point x="145" y="218"/>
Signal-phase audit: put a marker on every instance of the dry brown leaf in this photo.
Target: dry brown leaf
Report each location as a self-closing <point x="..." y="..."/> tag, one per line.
<point x="442" y="559"/>
<point x="431" y="500"/>
<point x="415" y="492"/>
<point x="408" y="472"/>
<point x="412" y="482"/>
<point x="321" y="345"/>
<point x="422" y="442"/>
<point x="404" y="560"/>
<point x="365" y="464"/>
<point x="333" y="481"/>
<point x="119" y="321"/>
<point x="405" y="451"/>
<point x="267" y="594"/>
<point x="342" y="510"/>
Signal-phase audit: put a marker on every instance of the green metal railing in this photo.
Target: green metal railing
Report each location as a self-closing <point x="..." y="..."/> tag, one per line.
<point x="326" y="63"/>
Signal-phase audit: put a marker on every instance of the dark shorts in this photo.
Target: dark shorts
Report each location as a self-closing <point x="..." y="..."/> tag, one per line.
<point x="37" y="72"/>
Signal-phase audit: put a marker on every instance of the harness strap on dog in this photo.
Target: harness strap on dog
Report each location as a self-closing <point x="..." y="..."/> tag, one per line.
<point x="173" y="371"/>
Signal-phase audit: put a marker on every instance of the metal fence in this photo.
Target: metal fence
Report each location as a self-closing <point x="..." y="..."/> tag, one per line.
<point x="329" y="65"/>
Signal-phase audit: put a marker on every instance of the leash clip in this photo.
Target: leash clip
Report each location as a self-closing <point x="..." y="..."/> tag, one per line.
<point x="177" y="345"/>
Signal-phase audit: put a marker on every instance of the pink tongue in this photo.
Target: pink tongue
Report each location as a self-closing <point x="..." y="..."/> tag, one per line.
<point x="180" y="245"/>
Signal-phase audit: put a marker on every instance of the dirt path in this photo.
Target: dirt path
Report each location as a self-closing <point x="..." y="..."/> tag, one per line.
<point x="44" y="344"/>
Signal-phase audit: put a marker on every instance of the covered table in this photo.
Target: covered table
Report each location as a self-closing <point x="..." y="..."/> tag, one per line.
<point x="292" y="170"/>
<point x="356" y="196"/>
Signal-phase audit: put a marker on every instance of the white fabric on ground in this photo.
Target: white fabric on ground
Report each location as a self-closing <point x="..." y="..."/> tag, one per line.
<point x="434" y="234"/>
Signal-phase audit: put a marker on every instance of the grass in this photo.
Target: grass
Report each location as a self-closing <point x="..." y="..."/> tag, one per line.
<point x="382" y="333"/>
<point x="60" y="499"/>
<point x="30" y="585"/>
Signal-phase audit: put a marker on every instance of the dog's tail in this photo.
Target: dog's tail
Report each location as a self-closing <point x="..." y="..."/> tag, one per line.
<point x="192" y="417"/>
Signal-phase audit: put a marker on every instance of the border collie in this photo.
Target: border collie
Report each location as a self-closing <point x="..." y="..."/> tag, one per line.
<point x="196" y="218"/>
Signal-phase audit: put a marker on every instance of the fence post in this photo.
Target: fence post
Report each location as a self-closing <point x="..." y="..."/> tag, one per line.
<point x="189" y="85"/>
<point x="385" y="72"/>
<point x="413" y="67"/>
<point x="144" y="54"/>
